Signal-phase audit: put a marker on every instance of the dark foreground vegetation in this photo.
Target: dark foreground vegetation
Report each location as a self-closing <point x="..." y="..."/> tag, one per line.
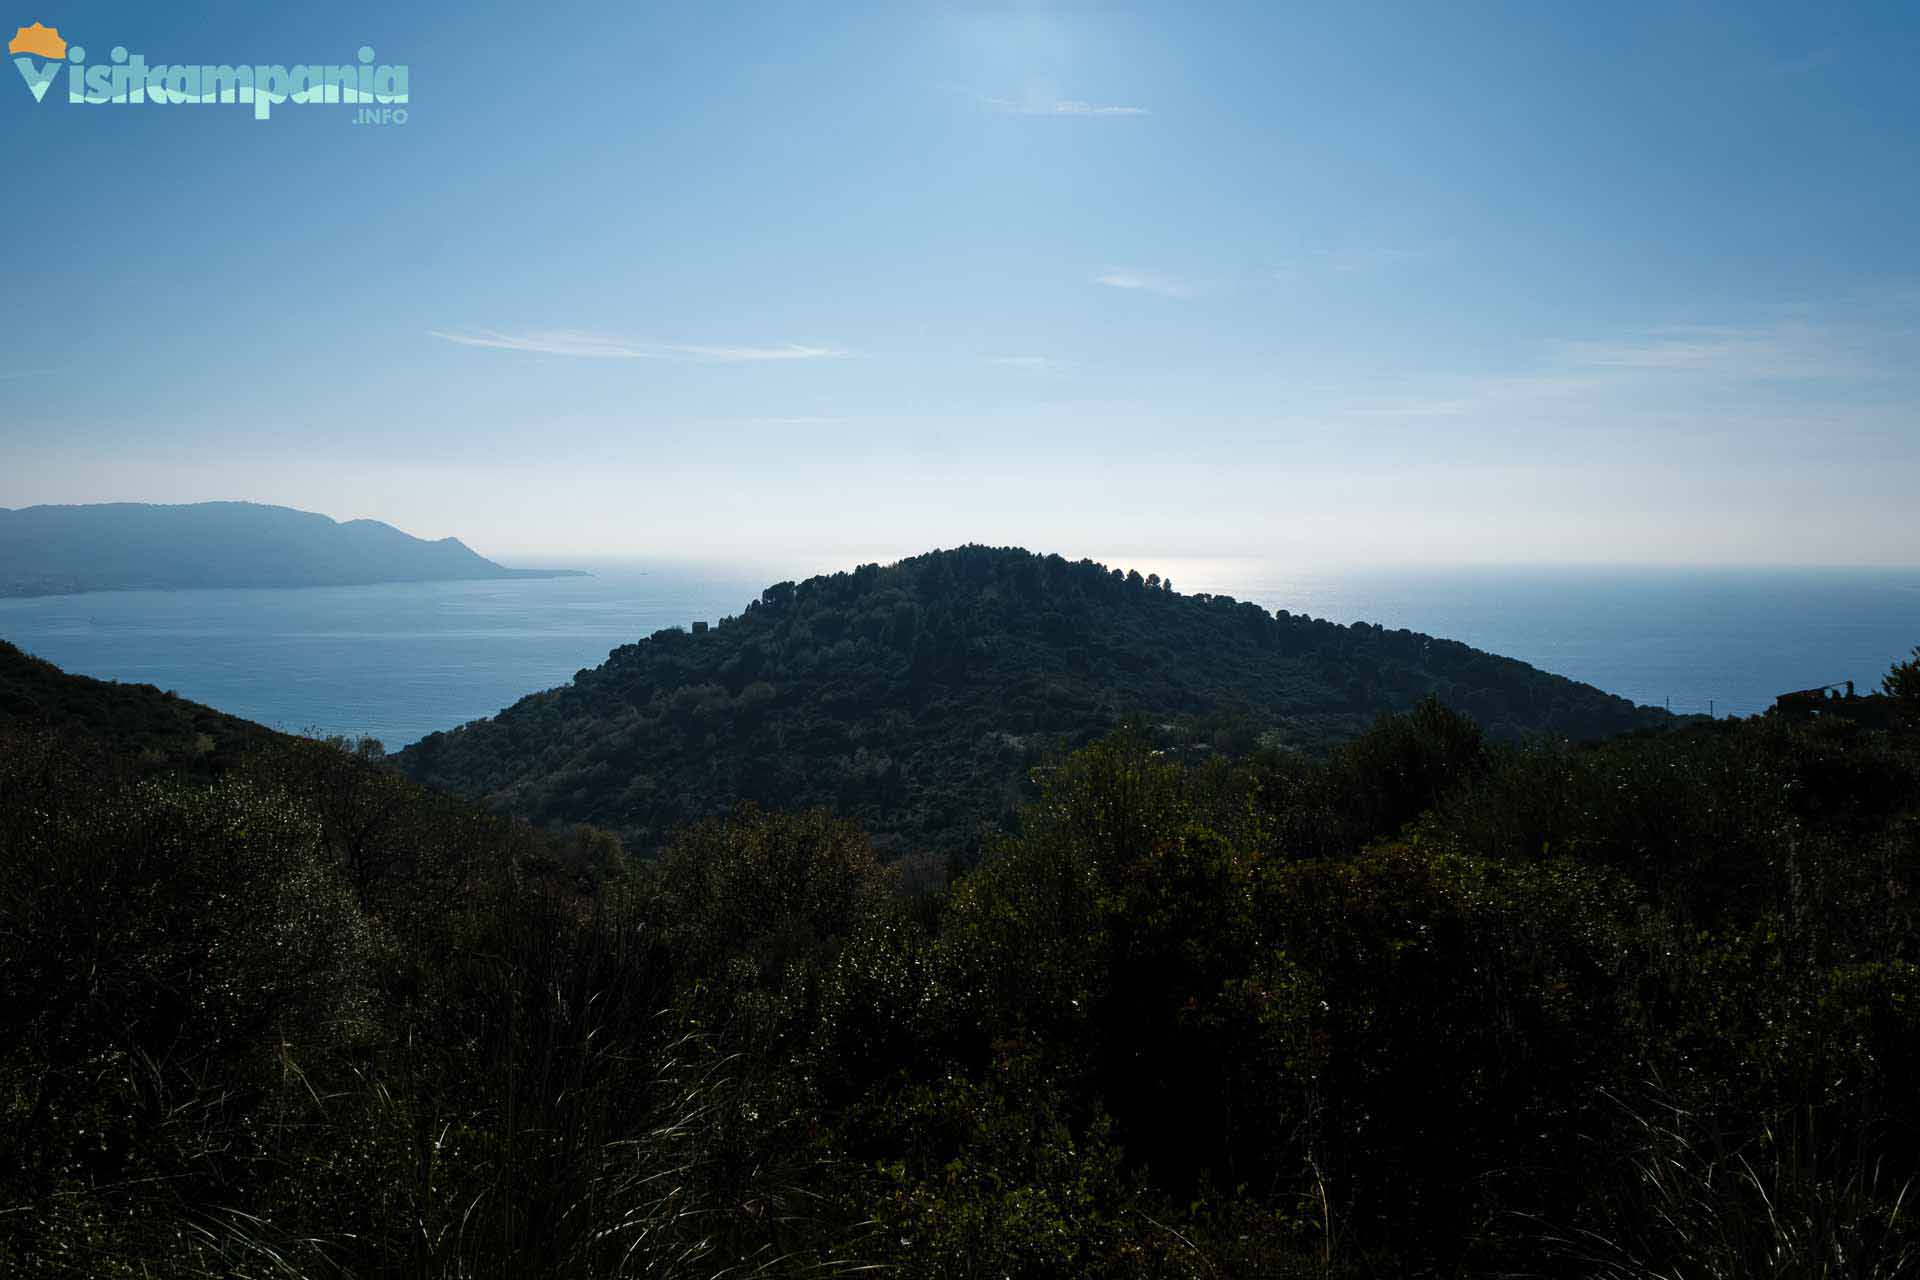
<point x="917" y="697"/>
<point x="1428" y="1006"/>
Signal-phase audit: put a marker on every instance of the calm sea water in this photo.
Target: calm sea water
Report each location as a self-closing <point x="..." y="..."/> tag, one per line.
<point x="1698" y="640"/>
<point x="394" y="661"/>
<point x="399" y="661"/>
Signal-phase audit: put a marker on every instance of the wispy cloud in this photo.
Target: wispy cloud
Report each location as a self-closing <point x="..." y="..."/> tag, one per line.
<point x="600" y="346"/>
<point x="1366" y="258"/>
<point x="1671" y="365"/>
<point x="1126" y="278"/>
<point x="1048" y="106"/>
<point x="800" y="420"/>
<point x="734" y="355"/>
<point x="1070" y="107"/>
<point x="14" y="375"/>
<point x="1777" y="351"/>
<point x="1417" y="409"/>
<point x="1033" y="364"/>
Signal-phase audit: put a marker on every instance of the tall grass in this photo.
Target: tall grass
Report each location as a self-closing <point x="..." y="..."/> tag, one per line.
<point x="1688" y="1201"/>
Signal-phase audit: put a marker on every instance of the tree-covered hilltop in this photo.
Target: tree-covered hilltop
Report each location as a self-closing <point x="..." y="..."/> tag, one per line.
<point x="117" y="546"/>
<point x="1426" y="1005"/>
<point x="153" y="727"/>
<point x="917" y="696"/>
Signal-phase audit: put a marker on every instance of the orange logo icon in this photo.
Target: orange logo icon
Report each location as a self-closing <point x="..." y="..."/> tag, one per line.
<point x="37" y="39"/>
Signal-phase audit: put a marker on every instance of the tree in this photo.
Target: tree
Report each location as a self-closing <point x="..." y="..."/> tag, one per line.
<point x="1902" y="683"/>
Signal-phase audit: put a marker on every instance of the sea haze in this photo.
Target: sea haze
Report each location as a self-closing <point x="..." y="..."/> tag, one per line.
<point x="397" y="661"/>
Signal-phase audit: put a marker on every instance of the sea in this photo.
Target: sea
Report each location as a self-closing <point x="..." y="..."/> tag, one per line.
<point x="398" y="661"/>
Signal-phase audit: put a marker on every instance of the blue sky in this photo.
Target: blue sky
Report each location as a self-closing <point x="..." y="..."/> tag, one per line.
<point x="1313" y="283"/>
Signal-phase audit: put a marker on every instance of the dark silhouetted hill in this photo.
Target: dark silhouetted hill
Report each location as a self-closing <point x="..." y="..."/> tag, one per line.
<point x="54" y="550"/>
<point x="137" y="721"/>
<point x="917" y="697"/>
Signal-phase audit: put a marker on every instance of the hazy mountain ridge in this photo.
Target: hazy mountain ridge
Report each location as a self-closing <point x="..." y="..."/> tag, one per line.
<point x="916" y="697"/>
<point x="57" y="550"/>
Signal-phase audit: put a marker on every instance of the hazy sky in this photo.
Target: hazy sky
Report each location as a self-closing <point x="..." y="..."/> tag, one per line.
<point x="1318" y="283"/>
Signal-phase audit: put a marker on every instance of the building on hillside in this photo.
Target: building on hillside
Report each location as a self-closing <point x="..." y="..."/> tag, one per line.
<point x="1871" y="710"/>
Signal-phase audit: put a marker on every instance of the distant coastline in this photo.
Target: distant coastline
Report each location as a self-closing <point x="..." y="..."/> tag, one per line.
<point x="124" y="546"/>
<point x="30" y="591"/>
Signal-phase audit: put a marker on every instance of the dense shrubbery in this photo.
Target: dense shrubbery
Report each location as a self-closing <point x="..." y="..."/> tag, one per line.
<point x="1429" y="1005"/>
<point x="915" y="698"/>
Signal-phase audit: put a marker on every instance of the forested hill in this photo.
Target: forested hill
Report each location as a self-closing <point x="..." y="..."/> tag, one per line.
<point x="917" y="696"/>
<point x="1424" y="1006"/>
<point x="115" y="546"/>
<point x="136" y="721"/>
